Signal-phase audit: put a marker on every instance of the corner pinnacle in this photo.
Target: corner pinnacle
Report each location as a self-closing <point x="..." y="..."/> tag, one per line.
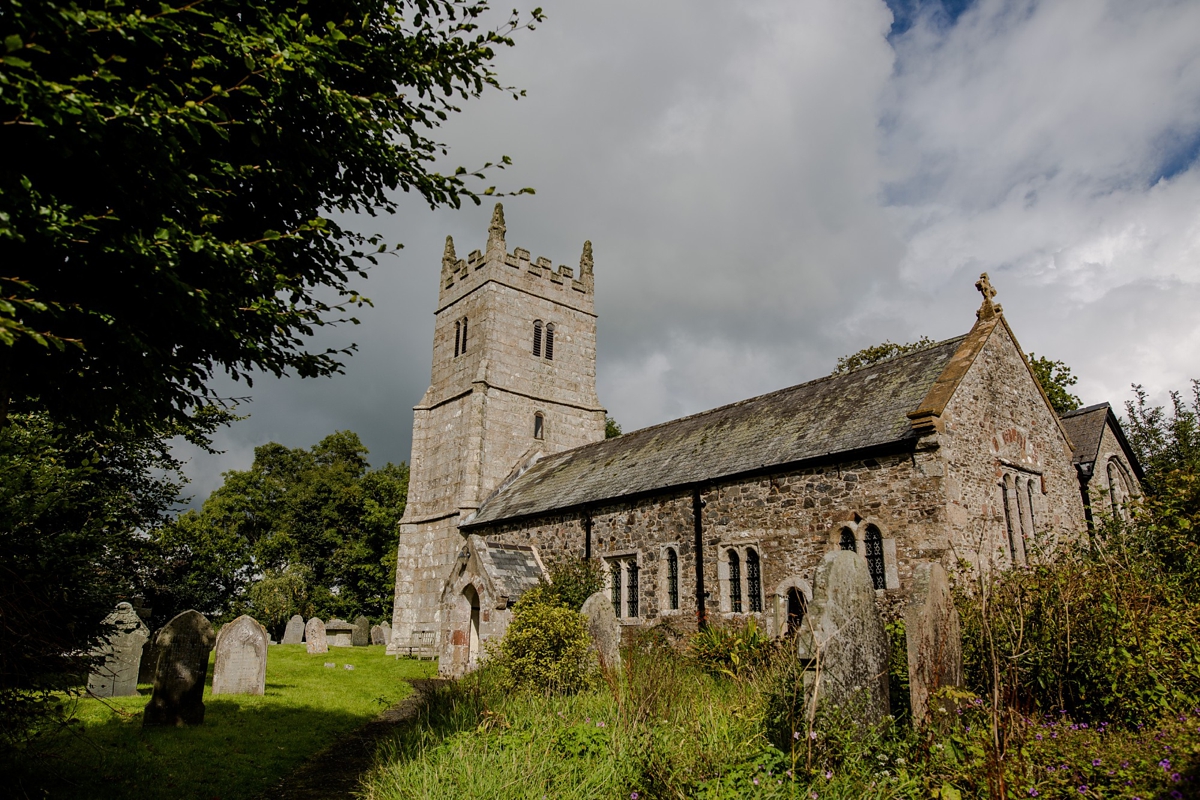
<point x="585" y="263"/>
<point x="496" y="230"/>
<point x="448" y="257"/>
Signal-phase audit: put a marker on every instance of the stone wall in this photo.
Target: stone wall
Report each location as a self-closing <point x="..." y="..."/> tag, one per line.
<point x="998" y="424"/>
<point x="791" y="519"/>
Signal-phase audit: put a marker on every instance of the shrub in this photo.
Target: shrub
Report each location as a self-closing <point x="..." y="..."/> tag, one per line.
<point x="729" y="650"/>
<point x="547" y="647"/>
<point x="572" y="582"/>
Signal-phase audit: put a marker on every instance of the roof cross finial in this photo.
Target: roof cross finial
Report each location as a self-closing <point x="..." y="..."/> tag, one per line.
<point x="988" y="309"/>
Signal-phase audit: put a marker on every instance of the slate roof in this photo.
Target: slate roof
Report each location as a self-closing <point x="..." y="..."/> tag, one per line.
<point x="513" y="568"/>
<point x="836" y="414"/>
<point x="1085" y="426"/>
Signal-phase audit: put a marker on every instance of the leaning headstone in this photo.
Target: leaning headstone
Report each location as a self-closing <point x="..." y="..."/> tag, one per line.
<point x="240" y="666"/>
<point x="361" y="635"/>
<point x="294" y="633"/>
<point x="340" y="633"/>
<point x="377" y="635"/>
<point x="183" y="647"/>
<point x="933" y="632"/>
<point x="604" y="628"/>
<point x="845" y="642"/>
<point x="122" y="652"/>
<point x="314" y="636"/>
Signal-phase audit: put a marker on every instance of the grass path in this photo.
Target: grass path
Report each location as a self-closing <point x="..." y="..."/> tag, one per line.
<point x="246" y="744"/>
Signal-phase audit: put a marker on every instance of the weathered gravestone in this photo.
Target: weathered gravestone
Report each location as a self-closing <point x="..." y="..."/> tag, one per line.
<point x="340" y="633"/>
<point x="294" y="633"/>
<point x="240" y="666"/>
<point x="387" y="632"/>
<point x="361" y="635"/>
<point x="377" y="635"/>
<point x="604" y="628"/>
<point x="931" y="627"/>
<point x="314" y="636"/>
<point x="118" y="675"/>
<point x="183" y="647"/>
<point x="844" y="640"/>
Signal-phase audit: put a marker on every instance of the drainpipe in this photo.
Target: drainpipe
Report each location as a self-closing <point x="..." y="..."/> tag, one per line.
<point x="587" y="535"/>
<point x="698" y="527"/>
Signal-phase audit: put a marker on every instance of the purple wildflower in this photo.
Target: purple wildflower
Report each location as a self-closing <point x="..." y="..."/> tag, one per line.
<point x="1095" y="762"/>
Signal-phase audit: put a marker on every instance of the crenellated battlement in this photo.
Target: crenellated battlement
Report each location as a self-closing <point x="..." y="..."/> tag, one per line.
<point x="517" y="269"/>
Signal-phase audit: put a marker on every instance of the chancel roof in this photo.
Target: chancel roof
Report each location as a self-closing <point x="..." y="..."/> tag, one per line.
<point x="1085" y="426"/>
<point x="858" y="410"/>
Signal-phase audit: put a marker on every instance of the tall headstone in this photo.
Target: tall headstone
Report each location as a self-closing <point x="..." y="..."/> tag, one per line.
<point x="314" y="636"/>
<point x="339" y="633"/>
<point x="361" y="635"/>
<point x="604" y="628"/>
<point x="845" y="641"/>
<point x="122" y="651"/>
<point x="294" y="633"/>
<point x="183" y="647"/>
<point x="387" y="632"/>
<point x="934" y="637"/>
<point x="240" y="666"/>
<point x="377" y="635"/>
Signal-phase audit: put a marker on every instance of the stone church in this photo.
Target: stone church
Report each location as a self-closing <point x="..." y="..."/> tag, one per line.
<point x="950" y="454"/>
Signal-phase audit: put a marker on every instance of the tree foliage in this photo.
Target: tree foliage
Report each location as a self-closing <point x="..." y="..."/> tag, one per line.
<point x="1056" y="379"/>
<point x="170" y="214"/>
<point x="75" y="509"/>
<point x="310" y="531"/>
<point x="573" y="581"/>
<point x="877" y="353"/>
<point x="612" y="428"/>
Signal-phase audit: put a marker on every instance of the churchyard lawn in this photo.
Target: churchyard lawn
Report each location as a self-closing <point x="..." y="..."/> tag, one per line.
<point x="246" y="743"/>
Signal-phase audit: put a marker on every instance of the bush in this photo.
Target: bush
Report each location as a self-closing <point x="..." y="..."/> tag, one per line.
<point x="572" y="582"/>
<point x="546" y="648"/>
<point x="730" y="650"/>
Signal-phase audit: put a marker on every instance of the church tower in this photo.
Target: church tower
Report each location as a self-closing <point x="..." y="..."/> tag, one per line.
<point x="514" y="378"/>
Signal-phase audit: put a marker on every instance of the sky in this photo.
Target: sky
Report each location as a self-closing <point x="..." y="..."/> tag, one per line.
<point x="771" y="185"/>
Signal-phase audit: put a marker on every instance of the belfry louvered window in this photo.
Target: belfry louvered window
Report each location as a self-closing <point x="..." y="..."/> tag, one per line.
<point x="672" y="579"/>
<point x="847" y="540"/>
<point x="735" y="582"/>
<point x="464" y="335"/>
<point x="753" y="581"/>
<point x="537" y="337"/>
<point x="873" y="545"/>
<point x="550" y="341"/>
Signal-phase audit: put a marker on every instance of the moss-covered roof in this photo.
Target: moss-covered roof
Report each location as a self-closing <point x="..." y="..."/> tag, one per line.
<point x="836" y="414"/>
<point x="1085" y="426"/>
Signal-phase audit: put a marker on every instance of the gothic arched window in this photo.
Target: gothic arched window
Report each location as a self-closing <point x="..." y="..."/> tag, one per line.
<point x="753" y="580"/>
<point x="632" y="600"/>
<point x="672" y="579"/>
<point x="457" y="336"/>
<point x="550" y="341"/>
<point x="537" y="337"/>
<point x="539" y="426"/>
<point x="1006" y="496"/>
<point x="464" y="334"/>
<point x="796" y="606"/>
<point x="847" y="540"/>
<point x="873" y="545"/>
<point x="735" y="582"/>
<point x="1032" y="519"/>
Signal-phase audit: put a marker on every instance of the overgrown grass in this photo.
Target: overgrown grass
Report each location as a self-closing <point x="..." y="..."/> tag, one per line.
<point x="667" y="728"/>
<point x="245" y="744"/>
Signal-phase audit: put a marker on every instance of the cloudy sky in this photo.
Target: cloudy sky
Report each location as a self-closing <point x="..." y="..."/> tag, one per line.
<point x="770" y="185"/>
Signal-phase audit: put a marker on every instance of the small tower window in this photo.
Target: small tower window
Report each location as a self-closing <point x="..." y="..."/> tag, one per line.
<point x="464" y="334"/>
<point x="753" y="581"/>
<point x="735" y="582"/>
<point x="672" y="579"/>
<point x="796" y="605"/>
<point x="550" y="341"/>
<point x="873" y="545"/>
<point x="847" y="541"/>
<point x="539" y="426"/>
<point x="537" y="337"/>
<point x="457" y="336"/>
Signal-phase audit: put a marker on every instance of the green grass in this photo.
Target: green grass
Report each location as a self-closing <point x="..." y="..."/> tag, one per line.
<point x="245" y="744"/>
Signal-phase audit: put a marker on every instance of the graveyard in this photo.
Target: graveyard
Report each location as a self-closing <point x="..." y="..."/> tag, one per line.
<point x="246" y="743"/>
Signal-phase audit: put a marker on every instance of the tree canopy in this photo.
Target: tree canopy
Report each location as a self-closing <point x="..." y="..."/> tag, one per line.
<point x="302" y="531"/>
<point x="877" y="353"/>
<point x="1056" y="380"/>
<point x="166" y="207"/>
